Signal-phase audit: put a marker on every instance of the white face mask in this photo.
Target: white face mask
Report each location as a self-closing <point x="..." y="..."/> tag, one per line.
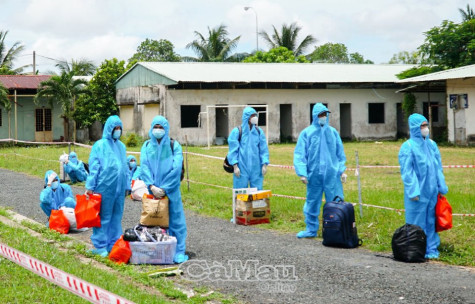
<point x="158" y="133"/>
<point x="425" y="132"/>
<point x="322" y="120"/>
<point x="254" y="120"/>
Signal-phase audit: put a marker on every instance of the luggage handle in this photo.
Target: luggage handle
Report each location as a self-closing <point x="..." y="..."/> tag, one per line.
<point x="338" y="199"/>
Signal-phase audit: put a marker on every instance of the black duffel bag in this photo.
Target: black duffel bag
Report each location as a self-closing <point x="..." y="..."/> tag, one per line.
<point x="409" y="244"/>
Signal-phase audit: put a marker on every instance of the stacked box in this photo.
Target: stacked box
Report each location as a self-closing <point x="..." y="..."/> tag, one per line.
<point x="153" y="252"/>
<point x="253" y="208"/>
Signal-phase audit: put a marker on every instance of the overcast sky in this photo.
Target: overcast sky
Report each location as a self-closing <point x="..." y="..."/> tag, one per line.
<point x="103" y="29"/>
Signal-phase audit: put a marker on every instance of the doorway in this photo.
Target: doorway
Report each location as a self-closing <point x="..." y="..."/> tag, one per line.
<point x="402" y="128"/>
<point x="43" y="125"/>
<point x="285" y="123"/>
<point x="222" y="122"/>
<point x="345" y="121"/>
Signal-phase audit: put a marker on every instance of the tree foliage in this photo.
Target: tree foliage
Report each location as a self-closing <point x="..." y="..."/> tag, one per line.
<point x="155" y="50"/>
<point x="336" y="53"/>
<point x="418" y="71"/>
<point x="467" y="14"/>
<point x="4" y="100"/>
<point x="406" y="57"/>
<point x="408" y="104"/>
<point x="8" y="55"/>
<point x="217" y="47"/>
<point x="82" y="67"/>
<point x="100" y="103"/>
<point x="288" y="38"/>
<point x="279" y="54"/>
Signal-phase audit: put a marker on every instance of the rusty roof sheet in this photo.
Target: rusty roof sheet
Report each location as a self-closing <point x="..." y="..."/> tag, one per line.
<point x="22" y="81"/>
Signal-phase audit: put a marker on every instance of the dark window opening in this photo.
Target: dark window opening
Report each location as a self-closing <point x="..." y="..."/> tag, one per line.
<point x="262" y="116"/>
<point x="435" y="111"/>
<point x="311" y="110"/>
<point x="375" y="113"/>
<point x="43" y="120"/>
<point x="190" y="116"/>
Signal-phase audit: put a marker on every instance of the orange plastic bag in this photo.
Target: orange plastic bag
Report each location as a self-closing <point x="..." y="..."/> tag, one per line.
<point x="87" y="211"/>
<point x="443" y="214"/>
<point x="58" y="222"/>
<point x="120" y="252"/>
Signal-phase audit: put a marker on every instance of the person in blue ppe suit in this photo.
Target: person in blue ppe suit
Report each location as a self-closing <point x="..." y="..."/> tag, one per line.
<point x="134" y="169"/>
<point x="75" y="168"/>
<point x="319" y="161"/>
<point x="423" y="179"/>
<point x="250" y="155"/>
<point x="55" y="195"/>
<point x="161" y="170"/>
<point x="108" y="175"/>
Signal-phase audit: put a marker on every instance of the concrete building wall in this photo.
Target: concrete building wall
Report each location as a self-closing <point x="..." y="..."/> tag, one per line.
<point x="461" y="121"/>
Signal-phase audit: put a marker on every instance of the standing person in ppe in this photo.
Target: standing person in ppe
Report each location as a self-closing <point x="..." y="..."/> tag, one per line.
<point x="75" y="168"/>
<point x="134" y="170"/>
<point x="108" y="175"/>
<point x="248" y="152"/>
<point x="421" y="173"/>
<point x="161" y="167"/>
<point x="55" y="195"/>
<point x="319" y="161"/>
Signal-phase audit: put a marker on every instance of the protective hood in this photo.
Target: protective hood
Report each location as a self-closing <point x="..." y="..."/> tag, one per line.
<point x="130" y="157"/>
<point x="73" y="157"/>
<point x="415" y="122"/>
<point x="246" y="114"/>
<point x="111" y="123"/>
<point x="47" y="174"/>
<point x="317" y="109"/>
<point x="159" y="120"/>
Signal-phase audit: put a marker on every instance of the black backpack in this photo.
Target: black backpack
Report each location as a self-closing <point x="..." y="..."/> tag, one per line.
<point x="409" y="244"/>
<point x="226" y="165"/>
<point x="172" y="143"/>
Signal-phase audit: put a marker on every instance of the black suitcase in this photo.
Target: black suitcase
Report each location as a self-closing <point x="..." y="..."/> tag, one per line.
<point x="339" y="226"/>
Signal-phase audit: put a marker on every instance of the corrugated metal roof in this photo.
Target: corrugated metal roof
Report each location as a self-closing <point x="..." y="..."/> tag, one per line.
<point x="275" y="72"/>
<point x="23" y="81"/>
<point x="462" y="72"/>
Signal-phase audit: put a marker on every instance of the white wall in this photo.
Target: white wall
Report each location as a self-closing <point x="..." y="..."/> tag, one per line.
<point x="463" y="116"/>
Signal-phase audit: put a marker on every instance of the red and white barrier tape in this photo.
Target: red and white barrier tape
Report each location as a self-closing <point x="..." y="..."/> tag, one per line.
<point x="69" y="282"/>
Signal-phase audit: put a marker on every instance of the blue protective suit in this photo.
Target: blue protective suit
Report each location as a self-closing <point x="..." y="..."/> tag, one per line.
<point x="133" y="173"/>
<point x="54" y="199"/>
<point x="421" y="173"/>
<point x="75" y="168"/>
<point x="162" y="167"/>
<point x="108" y="174"/>
<point x="319" y="156"/>
<point x="250" y="154"/>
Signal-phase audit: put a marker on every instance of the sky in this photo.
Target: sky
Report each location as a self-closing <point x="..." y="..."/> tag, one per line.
<point x="104" y="29"/>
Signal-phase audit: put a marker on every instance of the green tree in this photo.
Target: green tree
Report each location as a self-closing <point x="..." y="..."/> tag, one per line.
<point x="359" y="59"/>
<point x="406" y="57"/>
<point x="288" y="38"/>
<point x="100" y="103"/>
<point x="216" y="47"/>
<point x="280" y="55"/>
<point x="408" y="104"/>
<point x="8" y="55"/>
<point x="82" y="67"/>
<point x="4" y="100"/>
<point x="155" y="50"/>
<point x="468" y="14"/>
<point x="330" y="53"/>
<point x="65" y="90"/>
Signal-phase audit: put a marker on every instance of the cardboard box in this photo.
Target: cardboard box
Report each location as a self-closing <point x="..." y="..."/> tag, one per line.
<point x="251" y="209"/>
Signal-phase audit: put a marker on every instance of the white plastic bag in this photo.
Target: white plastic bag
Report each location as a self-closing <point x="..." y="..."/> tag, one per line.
<point x="70" y="215"/>
<point x="64" y="157"/>
<point x="138" y="190"/>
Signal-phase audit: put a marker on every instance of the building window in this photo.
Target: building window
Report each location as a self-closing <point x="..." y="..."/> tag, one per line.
<point x="262" y="116"/>
<point x="435" y="111"/>
<point x="375" y="113"/>
<point x="43" y="120"/>
<point x="311" y="110"/>
<point x="190" y="116"/>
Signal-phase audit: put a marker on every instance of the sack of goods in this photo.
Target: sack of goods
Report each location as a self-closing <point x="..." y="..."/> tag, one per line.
<point x="253" y="208"/>
<point x="139" y="188"/>
<point x="339" y="226"/>
<point x="70" y="215"/>
<point x="409" y="244"/>
<point x="154" y="211"/>
<point x="151" y="245"/>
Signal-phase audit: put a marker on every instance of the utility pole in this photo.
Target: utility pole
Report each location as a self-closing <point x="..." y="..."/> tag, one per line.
<point x="34" y="63"/>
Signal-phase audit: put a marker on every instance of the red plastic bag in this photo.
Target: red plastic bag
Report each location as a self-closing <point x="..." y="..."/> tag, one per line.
<point x="58" y="222"/>
<point x="120" y="252"/>
<point x="443" y="214"/>
<point x="87" y="211"/>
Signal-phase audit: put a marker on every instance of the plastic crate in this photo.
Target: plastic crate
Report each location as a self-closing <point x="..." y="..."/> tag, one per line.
<point x="153" y="253"/>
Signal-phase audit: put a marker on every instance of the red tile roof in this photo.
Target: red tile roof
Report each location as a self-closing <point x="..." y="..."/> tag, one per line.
<point x="23" y="81"/>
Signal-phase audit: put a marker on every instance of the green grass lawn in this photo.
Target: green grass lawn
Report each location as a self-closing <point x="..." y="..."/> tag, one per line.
<point x="380" y="186"/>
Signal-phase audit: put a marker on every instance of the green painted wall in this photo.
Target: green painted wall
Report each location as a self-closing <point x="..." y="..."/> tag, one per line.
<point x="26" y="119"/>
<point x="140" y="76"/>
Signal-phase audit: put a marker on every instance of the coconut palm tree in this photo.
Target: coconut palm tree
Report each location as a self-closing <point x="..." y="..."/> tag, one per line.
<point x="64" y="90"/>
<point x="216" y="47"/>
<point x="8" y="55"/>
<point x="4" y="100"/>
<point x="468" y="14"/>
<point x="288" y="38"/>
<point x="82" y="67"/>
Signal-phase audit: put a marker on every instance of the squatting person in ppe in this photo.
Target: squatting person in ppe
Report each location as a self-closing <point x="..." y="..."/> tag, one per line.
<point x="248" y="152"/>
<point x="55" y="195"/>
<point x="161" y="170"/>
<point x="134" y="169"/>
<point x="75" y="168"/>
<point x="423" y="179"/>
<point x="319" y="161"/>
<point x="108" y="175"/>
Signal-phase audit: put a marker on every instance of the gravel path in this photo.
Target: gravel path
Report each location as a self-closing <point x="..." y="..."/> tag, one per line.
<point x="280" y="268"/>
